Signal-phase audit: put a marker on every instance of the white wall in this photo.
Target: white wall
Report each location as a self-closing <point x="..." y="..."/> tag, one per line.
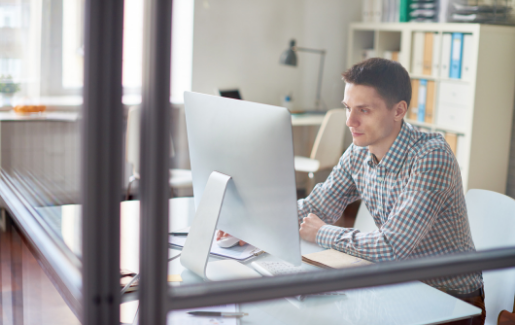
<point x="326" y="27"/>
<point x="238" y="43"/>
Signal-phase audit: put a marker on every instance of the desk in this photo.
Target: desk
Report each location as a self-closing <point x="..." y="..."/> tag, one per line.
<point x="307" y="119"/>
<point x="407" y="303"/>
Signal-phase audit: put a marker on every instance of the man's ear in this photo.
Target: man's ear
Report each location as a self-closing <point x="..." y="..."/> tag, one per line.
<point x="400" y="110"/>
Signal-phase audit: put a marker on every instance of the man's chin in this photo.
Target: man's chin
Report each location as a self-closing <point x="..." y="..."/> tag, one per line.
<point x="359" y="143"/>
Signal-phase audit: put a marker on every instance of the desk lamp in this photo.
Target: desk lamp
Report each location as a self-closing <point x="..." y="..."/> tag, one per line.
<point x="289" y="57"/>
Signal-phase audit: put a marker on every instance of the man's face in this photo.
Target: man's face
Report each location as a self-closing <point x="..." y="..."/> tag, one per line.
<point x="369" y="119"/>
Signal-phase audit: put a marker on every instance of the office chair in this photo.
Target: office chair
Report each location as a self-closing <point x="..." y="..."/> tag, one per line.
<point x="179" y="178"/>
<point x="327" y="149"/>
<point x="364" y="220"/>
<point x="492" y="223"/>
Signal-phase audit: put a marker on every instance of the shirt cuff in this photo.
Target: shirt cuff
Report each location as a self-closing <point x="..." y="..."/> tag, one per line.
<point x="327" y="234"/>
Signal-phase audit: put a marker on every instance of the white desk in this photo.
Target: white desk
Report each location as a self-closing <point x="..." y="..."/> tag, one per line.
<point x="306" y="119"/>
<point x="408" y="303"/>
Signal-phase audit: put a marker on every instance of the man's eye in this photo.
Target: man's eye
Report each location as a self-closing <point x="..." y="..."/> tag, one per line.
<point x="364" y="110"/>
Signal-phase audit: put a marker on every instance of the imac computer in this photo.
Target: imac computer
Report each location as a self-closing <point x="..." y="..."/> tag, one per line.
<point x="243" y="182"/>
<point x="230" y="93"/>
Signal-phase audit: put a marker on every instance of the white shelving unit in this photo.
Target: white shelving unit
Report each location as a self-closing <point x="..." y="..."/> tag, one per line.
<point x="486" y="118"/>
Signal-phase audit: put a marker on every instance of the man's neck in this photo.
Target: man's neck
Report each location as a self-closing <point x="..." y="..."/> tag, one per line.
<point x="380" y="149"/>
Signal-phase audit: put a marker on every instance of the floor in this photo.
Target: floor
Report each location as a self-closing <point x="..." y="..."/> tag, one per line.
<point x="28" y="296"/>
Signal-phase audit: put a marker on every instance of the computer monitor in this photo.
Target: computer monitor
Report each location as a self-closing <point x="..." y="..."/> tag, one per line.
<point x="252" y="143"/>
<point x="230" y="93"/>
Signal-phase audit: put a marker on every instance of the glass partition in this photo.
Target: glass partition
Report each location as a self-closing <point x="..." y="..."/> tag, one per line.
<point x="106" y="173"/>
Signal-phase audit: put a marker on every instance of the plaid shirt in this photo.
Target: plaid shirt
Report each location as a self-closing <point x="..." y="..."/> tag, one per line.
<point x="415" y="196"/>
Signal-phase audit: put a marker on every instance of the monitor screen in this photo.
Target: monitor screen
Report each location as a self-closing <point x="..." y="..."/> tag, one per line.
<point x="230" y="93"/>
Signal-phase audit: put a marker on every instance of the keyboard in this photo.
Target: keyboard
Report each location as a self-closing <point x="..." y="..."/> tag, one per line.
<point x="275" y="268"/>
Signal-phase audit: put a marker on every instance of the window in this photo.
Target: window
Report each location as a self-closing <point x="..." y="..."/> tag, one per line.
<point x="66" y="48"/>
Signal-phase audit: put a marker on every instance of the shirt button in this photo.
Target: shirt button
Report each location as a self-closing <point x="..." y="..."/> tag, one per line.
<point x="379" y="179"/>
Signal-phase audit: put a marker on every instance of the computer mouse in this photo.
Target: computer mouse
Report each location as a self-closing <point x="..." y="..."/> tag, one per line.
<point x="228" y="241"/>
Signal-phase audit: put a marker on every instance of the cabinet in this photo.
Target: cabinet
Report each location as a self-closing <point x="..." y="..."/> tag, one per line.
<point x="477" y="106"/>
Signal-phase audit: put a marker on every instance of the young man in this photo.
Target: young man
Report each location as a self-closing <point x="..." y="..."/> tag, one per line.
<point x="409" y="181"/>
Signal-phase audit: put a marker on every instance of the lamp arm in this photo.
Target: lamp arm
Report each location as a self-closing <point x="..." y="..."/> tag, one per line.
<point x="303" y="49"/>
<point x="318" y="100"/>
<point x="319" y="85"/>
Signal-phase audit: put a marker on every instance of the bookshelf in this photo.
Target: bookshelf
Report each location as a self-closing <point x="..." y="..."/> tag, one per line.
<point x="476" y="109"/>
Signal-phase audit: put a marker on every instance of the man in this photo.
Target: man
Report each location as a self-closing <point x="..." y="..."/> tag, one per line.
<point x="409" y="181"/>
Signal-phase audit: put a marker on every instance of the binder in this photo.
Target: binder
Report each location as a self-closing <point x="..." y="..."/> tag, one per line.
<point x="365" y="11"/>
<point x="404" y="9"/>
<point x="418" y="53"/>
<point x="427" y="61"/>
<point x="391" y="55"/>
<point x="456" y="55"/>
<point x="445" y="58"/>
<point x="367" y="54"/>
<point x="430" y="102"/>
<point x="412" y="110"/>
<point x="395" y="56"/>
<point x="466" y="68"/>
<point x="436" y="55"/>
<point x="461" y="155"/>
<point x="452" y="140"/>
<point x="377" y="11"/>
<point x="422" y="95"/>
<point x="396" y="10"/>
<point x="387" y="55"/>
<point x="385" y="5"/>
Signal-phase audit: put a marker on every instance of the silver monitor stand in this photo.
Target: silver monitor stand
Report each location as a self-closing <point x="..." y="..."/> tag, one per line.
<point x="195" y="253"/>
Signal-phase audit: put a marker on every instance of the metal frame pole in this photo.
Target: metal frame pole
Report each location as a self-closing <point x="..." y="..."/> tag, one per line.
<point x="101" y="161"/>
<point x="249" y="290"/>
<point x="154" y="158"/>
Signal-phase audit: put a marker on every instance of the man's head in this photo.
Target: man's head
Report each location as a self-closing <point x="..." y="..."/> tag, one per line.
<point x="377" y="96"/>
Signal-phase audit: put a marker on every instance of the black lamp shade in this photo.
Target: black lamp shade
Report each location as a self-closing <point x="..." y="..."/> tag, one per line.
<point x="289" y="57"/>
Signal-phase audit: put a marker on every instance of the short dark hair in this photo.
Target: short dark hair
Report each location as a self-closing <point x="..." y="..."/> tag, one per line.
<point x="389" y="79"/>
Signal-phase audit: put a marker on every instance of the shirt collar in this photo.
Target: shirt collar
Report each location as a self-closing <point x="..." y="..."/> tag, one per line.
<point x="396" y="155"/>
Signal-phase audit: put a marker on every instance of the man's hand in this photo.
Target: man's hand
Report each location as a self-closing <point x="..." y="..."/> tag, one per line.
<point x="220" y="234"/>
<point x="310" y="226"/>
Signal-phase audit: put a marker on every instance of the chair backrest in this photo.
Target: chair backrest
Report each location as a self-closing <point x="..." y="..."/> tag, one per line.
<point x="328" y="146"/>
<point x="364" y="220"/>
<point x="132" y="137"/>
<point x="492" y="224"/>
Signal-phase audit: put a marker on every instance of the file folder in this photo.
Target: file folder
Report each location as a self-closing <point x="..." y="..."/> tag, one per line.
<point x="430" y="101"/>
<point x="418" y="53"/>
<point x="427" y="61"/>
<point x="456" y="55"/>
<point x="422" y="95"/>
<point x="436" y="55"/>
<point x="413" y="110"/>
<point x="466" y="64"/>
<point x="445" y="58"/>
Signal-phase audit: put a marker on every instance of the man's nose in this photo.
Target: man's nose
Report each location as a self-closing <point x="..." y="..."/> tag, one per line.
<point x="352" y="120"/>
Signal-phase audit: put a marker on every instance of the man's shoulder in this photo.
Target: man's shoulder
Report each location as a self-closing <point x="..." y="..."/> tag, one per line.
<point x="427" y="142"/>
